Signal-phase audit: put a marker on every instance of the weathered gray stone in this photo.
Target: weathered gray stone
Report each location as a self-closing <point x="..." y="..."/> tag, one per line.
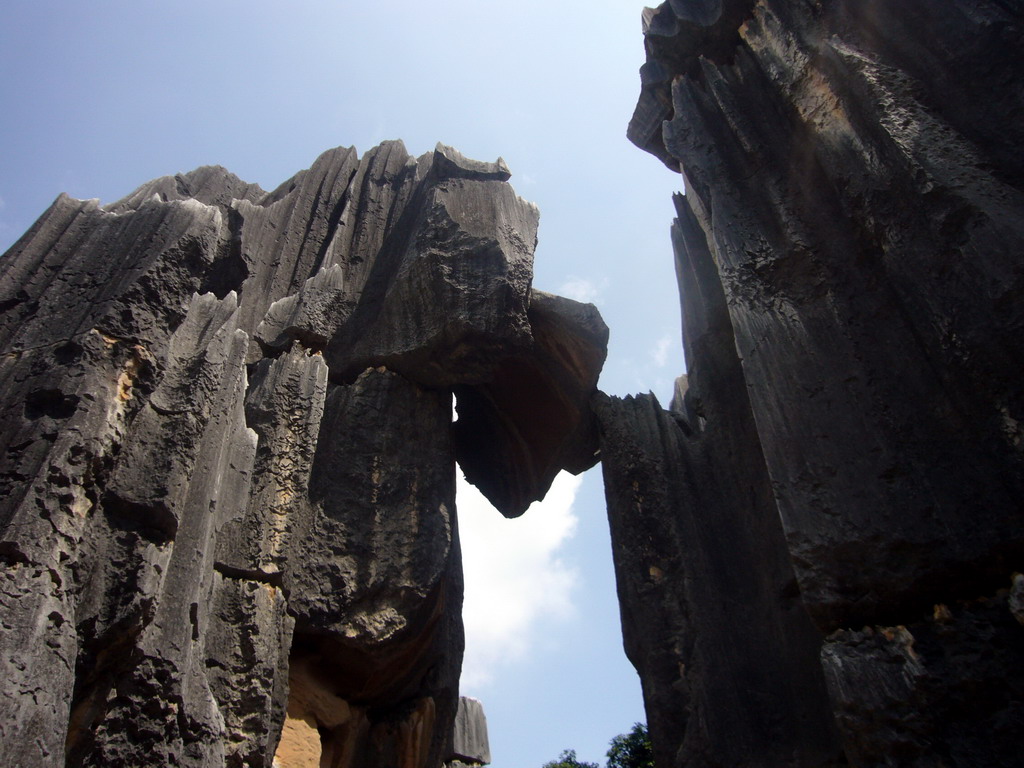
<point x="210" y="184"/>
<point x="870" y="297"/>
<point x="711" y="612"/>
<point x="940" y="691"/>
<point x="312" y="315"/>
<point x="711" y="616"/>
<point x="449" y="163"/>
<point x="531" y="418"/>
<point x="295" y="231"/>
<point x="247" y="642"/>
<point x="284" y="405"/>
<point x="384" y="445"/>
<point x="470" y="744"/>
<point x="848" y="253"/>
<point x="60" y="281"/>
<point x="1016" y="603"/>
<point x="69" y="404"/>
<point x="227" y="527"/>
<point x="183" y="469"/>
<point x="152" y="482"/>
<point x="451" y="291"/>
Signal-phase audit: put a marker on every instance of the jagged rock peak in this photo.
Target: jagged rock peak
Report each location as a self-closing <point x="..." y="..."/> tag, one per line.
<point x="450" y="163"/>
<point x="210" y="184"/>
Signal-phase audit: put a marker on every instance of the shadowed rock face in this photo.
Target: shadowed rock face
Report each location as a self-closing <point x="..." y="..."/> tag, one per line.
<point x="470" y="745"/>
<point x="846" y="448"/>
<point x="227" y="516"/>
<point x="532" y="418"/>
<point x="227" y="527"/>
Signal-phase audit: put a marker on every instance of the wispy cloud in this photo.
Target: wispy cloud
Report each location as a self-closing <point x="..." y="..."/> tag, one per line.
<point x="514" y="575"/>
<point x="659" y="353"/>
<point x="582" y="289"/>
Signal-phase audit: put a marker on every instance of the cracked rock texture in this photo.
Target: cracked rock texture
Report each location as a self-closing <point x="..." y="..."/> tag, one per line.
<point x="817" y="544"/>
<point x="470" y="744"/>
<point x="228" y="533"/>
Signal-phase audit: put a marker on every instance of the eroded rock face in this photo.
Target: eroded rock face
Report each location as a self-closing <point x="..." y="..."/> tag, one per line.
<point x="470" y="744"/>
<point x="848" y="253"/>
<point x="227" y="530"/>
<point x="712" y="617"/>
<point x="533" y="418"/>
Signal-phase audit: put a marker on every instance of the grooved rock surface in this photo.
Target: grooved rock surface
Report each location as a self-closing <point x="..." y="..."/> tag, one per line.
<point x="470" y="744"/>
<point x="228" y="533"/>
<point x="533" y="418"/>
<point x="711" y="614"/>
<point x="849" y="257"/>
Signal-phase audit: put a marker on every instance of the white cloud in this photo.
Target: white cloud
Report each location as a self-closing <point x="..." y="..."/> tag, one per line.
<point x="661" y="349"/>
<point x="582" y="289"/>
<point x="514" y="575"/>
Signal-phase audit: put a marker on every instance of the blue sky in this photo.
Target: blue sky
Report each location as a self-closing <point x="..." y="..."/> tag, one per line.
<point x="99" y="97"/>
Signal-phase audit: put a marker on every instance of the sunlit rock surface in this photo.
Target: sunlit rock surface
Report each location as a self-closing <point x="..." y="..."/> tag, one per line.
<point x="846" y="450"/>
<point x="470" y="743"/>
<point x="228" y="533"/>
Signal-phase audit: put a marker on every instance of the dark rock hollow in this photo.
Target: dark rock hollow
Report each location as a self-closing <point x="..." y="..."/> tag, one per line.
<point x="815" y="544"/>
<point x="227" y="529"/>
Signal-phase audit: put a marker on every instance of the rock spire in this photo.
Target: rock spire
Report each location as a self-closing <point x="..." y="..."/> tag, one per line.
<point x="816" y="542"/>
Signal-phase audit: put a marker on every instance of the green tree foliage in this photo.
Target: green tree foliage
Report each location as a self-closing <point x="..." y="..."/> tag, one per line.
<point x="628" y="750"/>
<point x="568" y="760"/>
<point x="631" y="750"/>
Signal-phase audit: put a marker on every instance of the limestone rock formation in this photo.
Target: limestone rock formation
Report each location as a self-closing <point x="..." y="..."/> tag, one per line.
<point x="228" y="533"/>
<point x="814" y="545"/>
<point x="533" y="418"/>
<point x="470" y="744"/>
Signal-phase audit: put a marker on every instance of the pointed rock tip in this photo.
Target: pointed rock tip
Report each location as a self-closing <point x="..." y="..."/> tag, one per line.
<point x="450" y="163"/>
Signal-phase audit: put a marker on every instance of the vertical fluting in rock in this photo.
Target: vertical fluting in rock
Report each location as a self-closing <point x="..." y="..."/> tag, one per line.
<point x="470" y="743"/>
<point x="849" y="257"/>
<point x="227" y="527"/>
<point x="711" y="613"/>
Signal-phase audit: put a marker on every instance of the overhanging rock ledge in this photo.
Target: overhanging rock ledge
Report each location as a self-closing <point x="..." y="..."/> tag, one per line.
<point x="228" y="533"/>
